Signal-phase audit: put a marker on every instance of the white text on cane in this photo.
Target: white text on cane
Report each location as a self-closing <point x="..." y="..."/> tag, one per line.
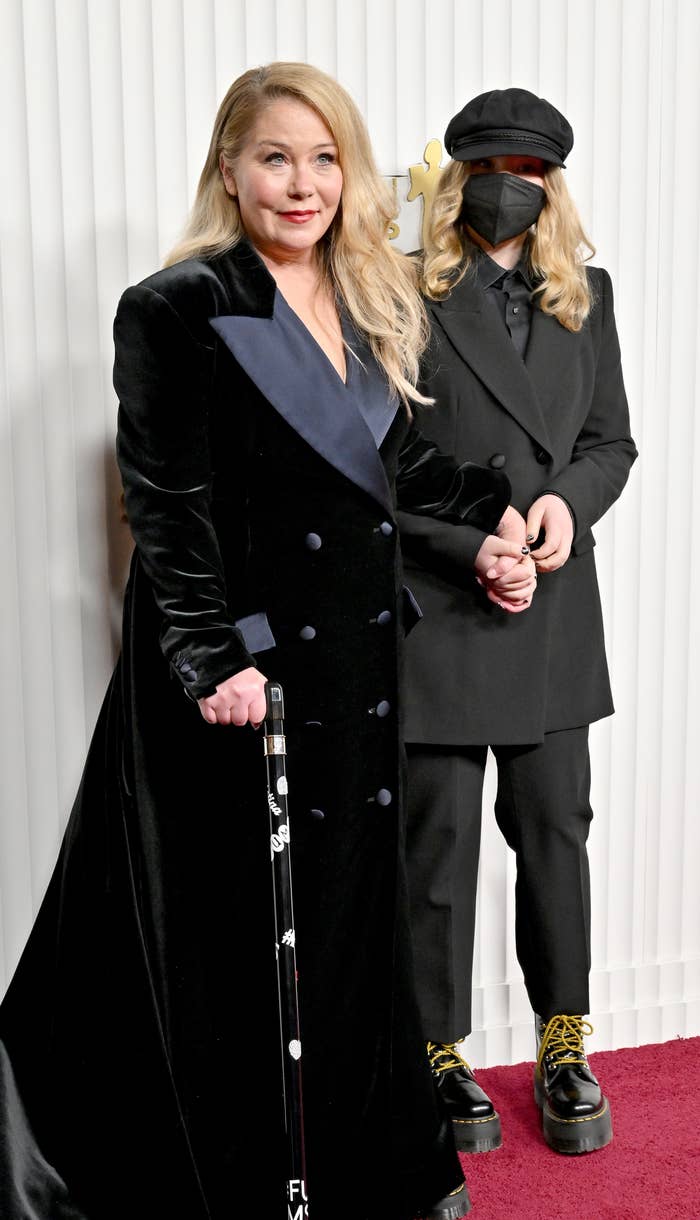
<point x="297" y="1207"/>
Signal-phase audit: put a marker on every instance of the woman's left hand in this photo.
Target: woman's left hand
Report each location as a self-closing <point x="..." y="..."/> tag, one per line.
<point x="514" y="591"/>
<point x="551" y="514"/>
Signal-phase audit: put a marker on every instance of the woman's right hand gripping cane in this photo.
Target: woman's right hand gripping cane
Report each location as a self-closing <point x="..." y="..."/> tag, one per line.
<point x="237" y="700"/>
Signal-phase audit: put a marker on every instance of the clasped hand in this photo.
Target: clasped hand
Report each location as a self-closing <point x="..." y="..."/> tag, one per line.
<point x="551" y="514"/>
<point x="504" y="567"/>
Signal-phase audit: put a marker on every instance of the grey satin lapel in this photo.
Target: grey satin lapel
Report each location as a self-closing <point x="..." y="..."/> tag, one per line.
<point x="313" y="401"/>
<point x="367" y="385"/>
<point x="483" y="343"/>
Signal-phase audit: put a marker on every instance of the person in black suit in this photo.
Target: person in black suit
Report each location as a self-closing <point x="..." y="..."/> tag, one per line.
<point x="524" y="367"/>
<point x="264" y="437"/>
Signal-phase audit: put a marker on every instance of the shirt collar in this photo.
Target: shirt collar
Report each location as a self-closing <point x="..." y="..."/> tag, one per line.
<point x="489" y="272"/>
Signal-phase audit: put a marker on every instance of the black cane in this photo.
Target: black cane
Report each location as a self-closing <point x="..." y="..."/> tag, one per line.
<point x="285" y="949"/>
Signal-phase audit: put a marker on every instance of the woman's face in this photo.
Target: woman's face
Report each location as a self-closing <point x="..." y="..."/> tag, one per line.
<point x="288" y="181"/>
<point x="533" y="168"/>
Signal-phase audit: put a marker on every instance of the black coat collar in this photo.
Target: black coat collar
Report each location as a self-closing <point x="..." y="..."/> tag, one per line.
<point x="294" y="376"/>
<point x="249" y="287"/>
<point x="523" y="388"/>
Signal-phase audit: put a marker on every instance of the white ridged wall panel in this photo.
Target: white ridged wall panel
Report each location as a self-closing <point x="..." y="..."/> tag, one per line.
<point x="107" y="108"/>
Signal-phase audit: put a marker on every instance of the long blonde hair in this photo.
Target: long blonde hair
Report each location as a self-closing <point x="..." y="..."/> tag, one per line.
<point x="376" y="282"/>
<point x="557" y="250"/>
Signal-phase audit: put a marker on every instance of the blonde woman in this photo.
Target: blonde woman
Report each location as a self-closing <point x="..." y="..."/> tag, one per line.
<point x="524" y="367"/>
<point x="265" y="379"/>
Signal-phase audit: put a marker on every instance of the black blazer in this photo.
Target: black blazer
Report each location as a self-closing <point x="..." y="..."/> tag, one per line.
<point x="556" y="422"/>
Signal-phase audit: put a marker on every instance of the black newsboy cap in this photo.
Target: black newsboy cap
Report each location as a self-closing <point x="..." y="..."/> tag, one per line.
<point x="506" y="121"/>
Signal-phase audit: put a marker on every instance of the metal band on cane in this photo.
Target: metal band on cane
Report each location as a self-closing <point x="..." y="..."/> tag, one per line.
<point x="275" y="743"/>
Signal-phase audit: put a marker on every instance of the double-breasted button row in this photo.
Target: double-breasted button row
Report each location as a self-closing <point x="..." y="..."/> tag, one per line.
<point x="314" y="541"/>
<point x="308" y="632"/>
<point x="318" y="815"/>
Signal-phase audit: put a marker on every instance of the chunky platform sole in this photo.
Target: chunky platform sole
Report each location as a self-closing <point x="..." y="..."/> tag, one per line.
<point x="477" y="1134"/>
<point x="452" y="1207"/>
<point x="573" y="1136"/>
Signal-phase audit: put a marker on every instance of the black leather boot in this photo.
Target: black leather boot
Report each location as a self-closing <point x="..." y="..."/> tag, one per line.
<point x="476" y="1125"/>
<point x="452" y="1207"/>
<point x="575" y="1114"/>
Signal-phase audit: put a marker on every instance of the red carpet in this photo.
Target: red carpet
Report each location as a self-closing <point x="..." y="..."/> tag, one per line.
<point x="650" y="1171"/>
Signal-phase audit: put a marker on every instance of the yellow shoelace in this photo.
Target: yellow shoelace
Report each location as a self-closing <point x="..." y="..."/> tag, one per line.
<point x="444" y="1056"/>
<point x="563" y="1039"/>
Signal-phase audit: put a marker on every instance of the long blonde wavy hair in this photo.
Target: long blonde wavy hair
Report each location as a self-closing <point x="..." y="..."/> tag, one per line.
<point x="376" y="283"/>
<point x="557" y="250"/>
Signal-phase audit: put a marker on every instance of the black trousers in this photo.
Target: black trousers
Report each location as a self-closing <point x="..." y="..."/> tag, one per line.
<point x="543" y="811"/>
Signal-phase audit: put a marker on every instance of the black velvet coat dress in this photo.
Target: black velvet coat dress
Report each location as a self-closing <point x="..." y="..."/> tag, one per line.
<point x="139" y="1038"/>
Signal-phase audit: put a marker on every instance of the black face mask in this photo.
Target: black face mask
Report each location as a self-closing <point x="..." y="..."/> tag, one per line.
<point x="499" y="206"/>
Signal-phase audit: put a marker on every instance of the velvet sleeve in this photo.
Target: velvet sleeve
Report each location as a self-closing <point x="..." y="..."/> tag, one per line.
<point x="435" y="494"/>
<point x="163" y="377"/>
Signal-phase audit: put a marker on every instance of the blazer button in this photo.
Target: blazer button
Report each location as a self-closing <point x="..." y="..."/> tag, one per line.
<point x="386" y="528"/>
<point x="383" y="708"/>
<point x="383" y="797"/>
<point x="383" y="618"/>
<point x="497" y="461"/>
<point x="317" y="814"/>
<point x="307" y="633"/>
<point x="313" y="542"/>
<point x="542" y="457"/>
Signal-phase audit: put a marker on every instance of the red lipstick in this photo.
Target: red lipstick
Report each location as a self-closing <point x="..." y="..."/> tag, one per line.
<point x="298" y="218"/>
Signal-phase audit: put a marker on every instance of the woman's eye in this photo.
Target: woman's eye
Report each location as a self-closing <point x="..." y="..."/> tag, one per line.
<point x="275" y="158"/>
<point x="326" y="158"/>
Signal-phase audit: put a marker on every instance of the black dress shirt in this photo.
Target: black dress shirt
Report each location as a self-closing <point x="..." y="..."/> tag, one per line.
<point x="510" y="294"/>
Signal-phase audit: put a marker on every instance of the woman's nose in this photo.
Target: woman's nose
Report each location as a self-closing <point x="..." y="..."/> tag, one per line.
<point x="301" y="183"/>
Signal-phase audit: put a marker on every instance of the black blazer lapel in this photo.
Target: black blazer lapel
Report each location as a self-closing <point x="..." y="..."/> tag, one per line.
<point x="553" y="362"/>
<point x="484" y="345"/>
<point x="315" y="402"/>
